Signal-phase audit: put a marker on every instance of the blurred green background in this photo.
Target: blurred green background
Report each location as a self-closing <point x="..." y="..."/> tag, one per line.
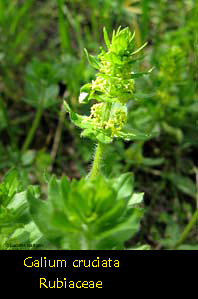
<point x="42" y="62"/>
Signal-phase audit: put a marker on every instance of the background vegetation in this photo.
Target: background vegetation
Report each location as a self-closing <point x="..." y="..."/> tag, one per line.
<point x="42" y="62"/>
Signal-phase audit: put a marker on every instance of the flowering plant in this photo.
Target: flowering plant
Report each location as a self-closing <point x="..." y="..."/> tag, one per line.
<point x="113" y="88"/>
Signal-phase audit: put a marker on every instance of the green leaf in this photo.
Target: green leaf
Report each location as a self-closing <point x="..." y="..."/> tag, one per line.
<point x="92" y="60"/>
<point x="113" y="58"/>
<point x="184" y="184"/>
<point x="124" y="185"/>
<point x="138" y="75"/>
<point x="54" y="194"/>
<point x="136" y="199"/>
<point x="75" y="118"/>
<point x="153" y="162"/>
<point x="84" y="93"/>
<point x="63" y="224"/>
<point x="105" y="198"/>
<point x="115" y="237"/>
<point x="136" y="136"/>
<point x="28" y="157"/>
<point x="19" y="205"/>
<point x="84" y="98"/>
<point x="104" y="138"/>
<point x="140" y="49"/>
<point x="41" y="212"/>
<point x="106" y="37"/>
<point x="176" y="132"/>
<point x="29" y="235"/>
<point x="86" y="88"/>
<point x="10" y="184"/>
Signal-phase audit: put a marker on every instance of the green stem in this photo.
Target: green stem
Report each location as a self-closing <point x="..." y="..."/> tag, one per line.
<point x="32" y="131"/>
<point x="101" y="148"/>
<point x="187" y="230"/>
<point x="98" y="161"/>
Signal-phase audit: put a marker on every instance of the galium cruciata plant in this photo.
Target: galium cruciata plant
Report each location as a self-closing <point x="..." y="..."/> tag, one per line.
<point x="95" y="212"/>
<point x="113" y="88"/>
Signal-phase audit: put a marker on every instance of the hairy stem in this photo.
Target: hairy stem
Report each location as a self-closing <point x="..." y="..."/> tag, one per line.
<point x="98" y="160"/>
<point x="101" y="148"/>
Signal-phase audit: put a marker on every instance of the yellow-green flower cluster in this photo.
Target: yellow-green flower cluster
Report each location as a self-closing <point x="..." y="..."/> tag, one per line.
<point x="114" y="79"/>
<point x="113" y="125"/>
<point x="115" y="89"/>
<point x="112" y="89"/>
